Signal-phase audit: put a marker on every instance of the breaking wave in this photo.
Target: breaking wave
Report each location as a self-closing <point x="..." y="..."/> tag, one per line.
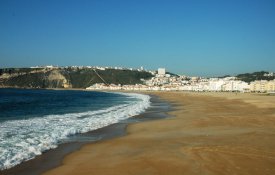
<point x="21" y="140"/>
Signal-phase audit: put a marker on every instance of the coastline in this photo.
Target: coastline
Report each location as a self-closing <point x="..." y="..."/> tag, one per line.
<point x="209" y="134"/>
<point x="53" y="158"/>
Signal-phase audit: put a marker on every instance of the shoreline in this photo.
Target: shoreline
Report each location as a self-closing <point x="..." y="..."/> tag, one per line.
<point x="236" y="136"/>
<point x="208" y="134"/>
<point x="53" y="158"/>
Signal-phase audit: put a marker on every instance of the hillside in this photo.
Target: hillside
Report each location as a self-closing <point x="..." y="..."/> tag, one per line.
<point x="70" y="77"/>
<point x="248" y="77"/>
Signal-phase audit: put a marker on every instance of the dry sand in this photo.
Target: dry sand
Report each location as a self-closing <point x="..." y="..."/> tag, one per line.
<point x="209" y="134"/>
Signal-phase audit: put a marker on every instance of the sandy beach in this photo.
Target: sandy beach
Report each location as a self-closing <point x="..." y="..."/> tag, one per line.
<point x="207" y="133"/>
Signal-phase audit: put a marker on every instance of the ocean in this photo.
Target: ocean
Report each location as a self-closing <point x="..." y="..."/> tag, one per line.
<point x="33" y="121"/>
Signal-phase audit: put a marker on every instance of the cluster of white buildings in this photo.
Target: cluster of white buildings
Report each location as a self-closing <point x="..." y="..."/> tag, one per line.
<point x="215" y="85"/>
<point x="228" y="84"/>
<point x="165" y="82"/>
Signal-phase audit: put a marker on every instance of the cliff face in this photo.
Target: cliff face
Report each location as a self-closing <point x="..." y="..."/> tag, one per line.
<point x="67" y="77"/>
<point x="56" y="79"/>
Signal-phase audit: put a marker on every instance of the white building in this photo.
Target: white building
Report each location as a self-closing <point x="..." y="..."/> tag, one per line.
<point x="236" y="85"/>
<point x="270" y="74"/>
<point x="258" y="86"/>
<point x="161" y="71"/>
<point x="216" y="84"/>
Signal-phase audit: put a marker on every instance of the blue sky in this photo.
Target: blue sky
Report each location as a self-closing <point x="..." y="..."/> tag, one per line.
<point x="193" y="37"/>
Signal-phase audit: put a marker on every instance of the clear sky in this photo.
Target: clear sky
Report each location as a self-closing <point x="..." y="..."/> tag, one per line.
<point x="193" y="37"/>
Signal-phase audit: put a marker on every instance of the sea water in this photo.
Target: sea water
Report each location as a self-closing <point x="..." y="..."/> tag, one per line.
<point x="33" y="121"/>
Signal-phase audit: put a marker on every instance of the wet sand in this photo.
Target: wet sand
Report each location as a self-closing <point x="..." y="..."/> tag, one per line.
<point x="209" y="134"/>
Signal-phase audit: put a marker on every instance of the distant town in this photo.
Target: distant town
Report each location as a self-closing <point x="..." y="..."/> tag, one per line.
<point x="162" y="81"/>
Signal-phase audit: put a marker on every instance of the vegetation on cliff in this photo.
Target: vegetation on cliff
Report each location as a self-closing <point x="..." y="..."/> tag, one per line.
<point x="71" y="77"/>
<point x="262" y="75"/>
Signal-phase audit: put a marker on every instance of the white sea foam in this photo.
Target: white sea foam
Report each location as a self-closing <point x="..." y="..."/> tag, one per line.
<point x="21" y="140"/>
